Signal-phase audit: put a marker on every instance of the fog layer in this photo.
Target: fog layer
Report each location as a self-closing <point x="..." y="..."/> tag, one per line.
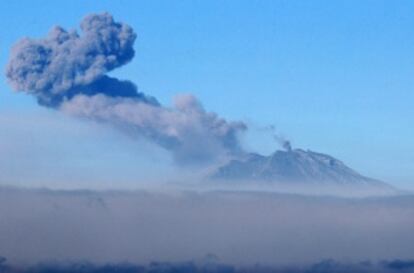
<point x="238" y="228"/>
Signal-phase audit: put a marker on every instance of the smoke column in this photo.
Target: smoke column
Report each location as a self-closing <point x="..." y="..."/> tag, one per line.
<point x="280" y="139"/>
<point x="67" y="70"/>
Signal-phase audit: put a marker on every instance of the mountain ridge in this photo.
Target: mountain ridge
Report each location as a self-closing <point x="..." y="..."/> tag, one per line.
<point x="293" y="166"/>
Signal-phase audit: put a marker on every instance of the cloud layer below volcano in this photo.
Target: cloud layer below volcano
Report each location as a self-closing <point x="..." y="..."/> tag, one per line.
<point x="239" y="228"/>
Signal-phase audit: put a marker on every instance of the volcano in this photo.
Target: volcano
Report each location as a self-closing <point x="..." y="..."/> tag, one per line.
<point x="293" y="166"/>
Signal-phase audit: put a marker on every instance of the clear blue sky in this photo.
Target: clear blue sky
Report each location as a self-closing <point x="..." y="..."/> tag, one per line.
<point x="333" y="76"/>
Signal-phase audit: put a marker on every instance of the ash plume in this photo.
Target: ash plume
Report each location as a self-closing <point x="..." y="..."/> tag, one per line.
<point x="65" y="63"/>
<point x="286" y="145"/>
<point x="280" y="139"/>
<point x="67" y="71"/>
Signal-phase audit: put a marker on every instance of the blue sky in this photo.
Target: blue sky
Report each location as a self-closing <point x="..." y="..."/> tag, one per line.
<point x="333" y="76"/>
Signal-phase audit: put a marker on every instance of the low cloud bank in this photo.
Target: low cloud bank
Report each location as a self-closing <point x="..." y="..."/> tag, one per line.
<point x="241" y="228"/>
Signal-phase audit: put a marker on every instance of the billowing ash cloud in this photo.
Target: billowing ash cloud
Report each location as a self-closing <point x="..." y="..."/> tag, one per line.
<point x="65" y="64"/>
<point x="67" y="71"/>
<point x="187" y="129"/>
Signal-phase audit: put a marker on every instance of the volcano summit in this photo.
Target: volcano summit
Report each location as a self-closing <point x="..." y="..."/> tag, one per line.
<point x="293" y="166"/>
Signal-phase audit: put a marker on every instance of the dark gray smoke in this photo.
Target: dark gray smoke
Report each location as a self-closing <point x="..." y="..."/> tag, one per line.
<point x="283" y="142"/>
<point x="65" y="64"/>
<point x="67" y="71"/>
<point x="286" y="145"/>
<point x="279" y="138"/>
<point x="193" y="134"/>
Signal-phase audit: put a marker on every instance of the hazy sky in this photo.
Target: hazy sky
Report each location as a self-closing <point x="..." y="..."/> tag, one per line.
<point x="333" y="76"/>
